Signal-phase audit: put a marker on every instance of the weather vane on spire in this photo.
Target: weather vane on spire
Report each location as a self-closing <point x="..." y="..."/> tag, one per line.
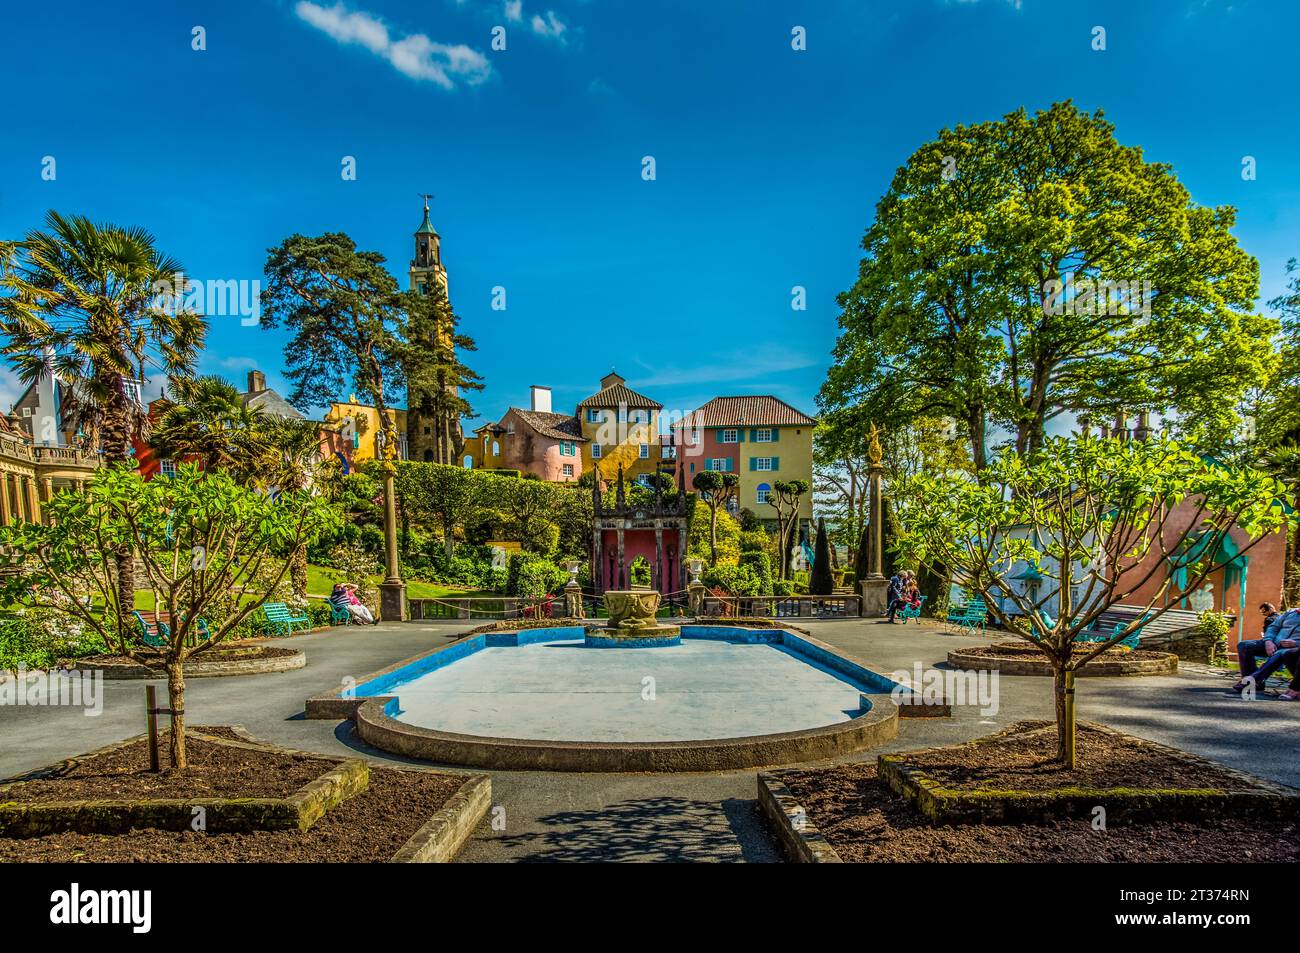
<point x="426" y="196"/>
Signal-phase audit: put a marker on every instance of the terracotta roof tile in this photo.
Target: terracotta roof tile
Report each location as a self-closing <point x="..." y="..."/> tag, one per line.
<point x="759" y="410"/>
<point x="620" y="395"/>
<point x="556" y="426"/>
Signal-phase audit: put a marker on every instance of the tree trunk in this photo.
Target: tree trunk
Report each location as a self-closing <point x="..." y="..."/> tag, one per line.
<point x="979" y="454"/>
<point x="298" y="573"/>
<point x="176" y="702"/>
<point x="1065" y="735"/>
<point x="115" y="439"/>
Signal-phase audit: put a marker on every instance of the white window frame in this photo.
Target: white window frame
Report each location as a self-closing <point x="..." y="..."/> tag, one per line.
<point x="763" y="435"/>
<point x="716" y="469"/>
<point x="167" y="468"/>
<point x="763" y="464"/>
<point x="567" y="470"/>
<point x="734" y="438"/>
<point x="645" y="451"/>
<point x="761" y="494"/>
<point x="595" y="451"/>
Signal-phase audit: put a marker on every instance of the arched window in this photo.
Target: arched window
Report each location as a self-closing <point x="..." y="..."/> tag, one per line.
<point x="469" y="462"/>
<point x="763" y="491"/>
<point x="496" y="449"/>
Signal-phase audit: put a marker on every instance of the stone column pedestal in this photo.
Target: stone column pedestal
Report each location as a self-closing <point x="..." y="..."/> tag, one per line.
<point x="392" y="601"/>
<point x="573" y="599"/>
<point x="695" y="598"/>
<point x="875" y="595"/>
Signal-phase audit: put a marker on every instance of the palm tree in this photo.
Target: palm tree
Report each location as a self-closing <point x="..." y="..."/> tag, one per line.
<point x="290" y="462"/>
<point x="204" y="419"/>
<point x="83" y="301"/>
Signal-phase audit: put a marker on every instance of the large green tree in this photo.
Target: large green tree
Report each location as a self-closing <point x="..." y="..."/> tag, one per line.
<point x="95" y="304"/>
<point x="1027" y="268"/>
<point x="436" y="376"/>
<point x="348" y="323"/>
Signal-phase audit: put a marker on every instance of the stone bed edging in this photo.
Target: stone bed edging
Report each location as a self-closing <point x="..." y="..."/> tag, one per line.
<point x="202" y="669"/>
<point x="376" y="725"/>
<point x="298" y="811"/>
<point x="437" y="841"/>
<point x="963" y="659"/>
<point x="798" y="836"/>
<point x="1265" y="801"/>
<point x="442" y="836"/>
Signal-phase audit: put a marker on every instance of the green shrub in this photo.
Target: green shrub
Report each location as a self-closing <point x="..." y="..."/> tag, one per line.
<point x="761" y="564"/>
<point x="41" y="638"/>
<point x="782" y="587"/>
<point x="532" y="576"/>
<point x="1214" y="626"/>
<point x="735" y="580"/>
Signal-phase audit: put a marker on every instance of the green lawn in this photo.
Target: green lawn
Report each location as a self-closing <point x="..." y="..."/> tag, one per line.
<point x="320" y="580"/>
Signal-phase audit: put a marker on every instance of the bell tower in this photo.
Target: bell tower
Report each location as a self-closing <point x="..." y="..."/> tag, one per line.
<point x="423" y="424"/>
<point x="426" y="266"/>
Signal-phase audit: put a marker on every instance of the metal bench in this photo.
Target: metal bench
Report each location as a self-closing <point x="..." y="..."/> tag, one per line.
<point x="973" y="614"/>
<point x="279" y="616"/>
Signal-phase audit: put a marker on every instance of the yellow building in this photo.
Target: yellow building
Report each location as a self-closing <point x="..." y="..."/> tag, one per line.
<point x="620" y="426"/>
<point x="759" y="437"/>
<point x="358" y="429"/>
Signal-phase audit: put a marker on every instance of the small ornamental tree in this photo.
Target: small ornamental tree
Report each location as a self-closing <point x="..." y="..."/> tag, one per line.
<point x="716" y="488"/>
<point x="1095" y="518"/>
<point x="199" y="538"/>
<point x="784" y="498"/>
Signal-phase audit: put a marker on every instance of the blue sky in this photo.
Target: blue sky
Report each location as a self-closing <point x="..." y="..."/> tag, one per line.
<point x="769" y="161"/>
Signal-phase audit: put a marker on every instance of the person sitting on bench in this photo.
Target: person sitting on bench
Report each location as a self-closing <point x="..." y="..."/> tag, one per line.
<point x="360" y="612"/>
<point x="1281" y="635"/>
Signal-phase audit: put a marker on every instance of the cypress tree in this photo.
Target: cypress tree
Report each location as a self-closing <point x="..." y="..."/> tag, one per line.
<point x="821" y="583"/>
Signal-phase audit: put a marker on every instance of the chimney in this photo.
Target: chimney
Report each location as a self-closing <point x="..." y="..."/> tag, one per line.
<point x="256" y="381"/>
<point x="541" y="399"/>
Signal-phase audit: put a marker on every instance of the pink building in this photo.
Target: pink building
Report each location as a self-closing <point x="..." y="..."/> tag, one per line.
<point x="1251" y="576"/>
<point x="536" y="441"/>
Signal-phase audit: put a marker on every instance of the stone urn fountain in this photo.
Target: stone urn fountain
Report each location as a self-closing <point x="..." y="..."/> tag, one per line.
<point x="632" y="622"/>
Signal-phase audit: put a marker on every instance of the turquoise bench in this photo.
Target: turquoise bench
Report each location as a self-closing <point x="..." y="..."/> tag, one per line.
<point x="279" y="616"/>
<point x="972" y="615"/>
<point x="912" y="612"/>
<point x="339" y="612"/>
<point x="156" y="633"/>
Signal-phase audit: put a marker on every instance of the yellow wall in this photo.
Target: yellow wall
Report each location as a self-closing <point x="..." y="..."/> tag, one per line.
<point x="365" y="421"/>
<point x="621" y="443"/>
<point x="793" y="449"/>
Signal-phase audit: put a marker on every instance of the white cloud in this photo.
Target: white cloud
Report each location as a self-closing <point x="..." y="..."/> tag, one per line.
<point x="514" y="10"/>
<point x="415" y="55"/>
<point x="550" y="25"/>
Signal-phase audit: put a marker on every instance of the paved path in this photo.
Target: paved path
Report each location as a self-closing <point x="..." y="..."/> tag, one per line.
<point x="563" y="816"/>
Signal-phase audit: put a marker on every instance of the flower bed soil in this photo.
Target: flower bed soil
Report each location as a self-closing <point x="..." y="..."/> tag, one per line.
<point x="865" y="821"/>
<point x="1023" y="650"/>
<point x="369" y="827"/>
<point x="214" y="771"/>
<point x="1023" y="760"/>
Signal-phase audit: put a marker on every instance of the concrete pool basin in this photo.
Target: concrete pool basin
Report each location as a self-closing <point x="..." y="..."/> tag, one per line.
<point x="726" y="697"/>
